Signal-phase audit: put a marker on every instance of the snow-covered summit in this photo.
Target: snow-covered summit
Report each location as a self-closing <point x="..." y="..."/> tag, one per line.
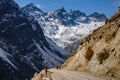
<point x="32" y="8"/>
<point x="65" y="27"/>
<point x="97" y="17"/>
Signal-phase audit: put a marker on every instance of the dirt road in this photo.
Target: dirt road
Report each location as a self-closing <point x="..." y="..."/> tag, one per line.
<point x="71" y="75"/>
<point x="54" y="74"/>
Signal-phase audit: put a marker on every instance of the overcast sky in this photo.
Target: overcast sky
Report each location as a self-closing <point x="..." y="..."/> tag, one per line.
<point x="108" y="7"/>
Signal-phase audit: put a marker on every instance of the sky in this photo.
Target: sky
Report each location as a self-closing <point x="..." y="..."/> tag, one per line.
<point x="108" y="7"/>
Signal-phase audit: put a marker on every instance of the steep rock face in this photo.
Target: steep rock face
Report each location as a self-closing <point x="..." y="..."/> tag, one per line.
<point x="97" y="17"/>
<point x="65" y="28"/>
<point x="23" y="47"/>
<point x="100" y="51"/>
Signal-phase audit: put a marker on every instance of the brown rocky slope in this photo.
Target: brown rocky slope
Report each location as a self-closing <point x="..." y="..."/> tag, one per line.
<point x="99" y="52"/>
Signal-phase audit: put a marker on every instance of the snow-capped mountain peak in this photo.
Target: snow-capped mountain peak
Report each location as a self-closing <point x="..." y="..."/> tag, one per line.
<point x="33" y="10"/>
<point x="77" y="13"/>
<point x="97" y="17"/>
<point x="31" y="6"/>
<point x="60" y="11"/>
<point x="65" y="28"/>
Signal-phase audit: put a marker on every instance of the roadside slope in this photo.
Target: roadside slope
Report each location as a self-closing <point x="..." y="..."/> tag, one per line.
<point x="55" y="74"/>
<point x="99" y="52"/>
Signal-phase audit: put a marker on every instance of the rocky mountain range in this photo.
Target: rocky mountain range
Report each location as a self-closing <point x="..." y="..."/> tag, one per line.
<point x="63" y="27"/>
<point x="24" y="49"/>
<point x="99" y="53"/>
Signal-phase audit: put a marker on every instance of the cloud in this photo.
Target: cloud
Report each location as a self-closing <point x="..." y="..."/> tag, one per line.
<point x="39" y="6"/>
<point x="46" y="7"/>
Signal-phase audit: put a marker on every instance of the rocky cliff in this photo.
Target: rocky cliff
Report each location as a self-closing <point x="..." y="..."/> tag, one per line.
<point x="99" y="52"/>
<point x="23" y="47"/>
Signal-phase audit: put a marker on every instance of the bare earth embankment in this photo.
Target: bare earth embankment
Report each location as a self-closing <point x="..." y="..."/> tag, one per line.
<point x="54" y="74"/>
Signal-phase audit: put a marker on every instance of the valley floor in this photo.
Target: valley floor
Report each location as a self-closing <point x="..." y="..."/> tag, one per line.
<point x="54" y="74"/>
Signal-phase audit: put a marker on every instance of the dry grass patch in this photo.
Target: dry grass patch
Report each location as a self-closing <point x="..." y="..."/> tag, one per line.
<point x="89" y="53"/>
